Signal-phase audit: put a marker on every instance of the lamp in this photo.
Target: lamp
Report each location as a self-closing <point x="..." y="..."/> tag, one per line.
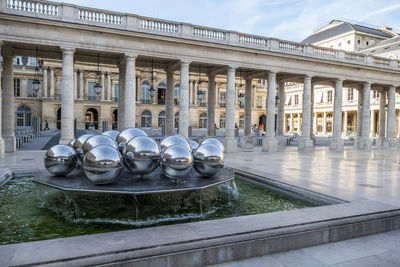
<point x="277" y="100"/>
<point x="199" y="95"/>
<point x="97" y="87"/>
<point x="36" y="82"/>
<point x="240" y="97"/>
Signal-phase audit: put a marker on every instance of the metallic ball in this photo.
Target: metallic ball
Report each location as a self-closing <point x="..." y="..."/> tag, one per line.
<point x="71" y="143"/>
<point x="175" y="139"/>
<point x="97" y="140"/>
<point x="214" y="141"/>
<point x="78" y="146"/>
<point x="142" y="155"/>
<point x="194" y="145"/>
<point x="126" y="135"/>
<point x="176" y="162"/>
<point x="60" y="159"/>
<point x="102" y="164"/>
<point x="112" y="134"/>
<point x="208" y="160"/>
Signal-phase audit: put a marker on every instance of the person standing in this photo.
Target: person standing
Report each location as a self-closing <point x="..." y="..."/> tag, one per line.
<point x="46" y="125"/>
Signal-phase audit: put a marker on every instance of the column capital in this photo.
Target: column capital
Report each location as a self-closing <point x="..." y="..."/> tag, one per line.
<point x="131" y="56"/>
<point x="272" y="73"/>
<point x="234" y="67"/>
<point x="67" y="50"/>
<point x="7" y="51"/>
<point x="307" y="76"/>
<point x="339" y="80"/>
<point x="365" y="84"/>
<point x="185" y="61"/>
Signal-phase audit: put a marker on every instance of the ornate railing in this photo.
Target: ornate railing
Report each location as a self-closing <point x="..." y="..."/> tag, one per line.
<point x="41" y="7"/>
<point x="258" y="41"/>
<point x="157" y="25"/>
<point x="291" y="46"/>
<point x="100" y="16"/>
<point x="324" y="52"/>
<point x="381" y="61"/>
<point x="354" y="56"/>
<point x="209" y="33"/>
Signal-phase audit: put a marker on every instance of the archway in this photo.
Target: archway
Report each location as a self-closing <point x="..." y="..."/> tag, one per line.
<point x="262" y="120"/>
<point x="115" y="119"/>
<point x="59" y="118"/>
<point x="161" y="93"/>
<point x="222" y="121"/>
<point x="24" y="116"/>
<point x="161" y="119"/>
<point x="145" y="90"/>
<point x="146" y="119"/>
<point x="203" y="120"/>
<point x="91" y="119"/>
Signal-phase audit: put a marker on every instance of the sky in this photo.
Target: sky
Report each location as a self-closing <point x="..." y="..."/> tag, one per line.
<point x="285" y="19"/>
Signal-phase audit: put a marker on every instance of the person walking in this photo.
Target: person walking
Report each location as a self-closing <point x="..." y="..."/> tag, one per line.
<point x="46" y="125"/>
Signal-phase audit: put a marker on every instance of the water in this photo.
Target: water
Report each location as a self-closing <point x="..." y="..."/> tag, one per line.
<point x="30" y="212"/>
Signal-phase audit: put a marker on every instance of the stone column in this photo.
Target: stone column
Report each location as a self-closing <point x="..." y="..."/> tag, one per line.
<point x="312" y="135"/>
<point x="280" y="127"/>
<point x="391" y="117"/>
<point x="382" y="119"/>
<point x="305" y="143"/>
<point x="103" y="88"/>
<point x="196" y="88"/>
<point x="216" y="95"/>
<point x="169" y="104"/>
<point x="109" y="87"/>
<point x="372" y="124"/>
<point x="211" y="105"/>
<point x="254" y="96"/>
<point x="337" y="143"/>
<point x="121" y="93"/>
<point x="5" y="88"/>
<point x="81" y="85"/>
<point x="230" y="141"/>
<point x="359" y="112"/>
<point x="44" y="88"/>
<point x="75" y="84"/>
<point x="247" y="141"/>
<point x="52" y="83"/>
<point x="362" y="142"/>
<point x="129" y="99"/>
<point x="269" y="143"/>
<point x="24" y="87"/>
<point x="67" y="96"/>
<point x="324" y="123"/>
<point x="184" y="99"/>
<point x="345" y="123"/>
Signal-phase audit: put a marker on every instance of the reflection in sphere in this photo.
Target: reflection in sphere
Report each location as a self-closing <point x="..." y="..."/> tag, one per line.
<point x="214" y="141"/>
<point x="175" y="139"/>
<point x="78" y="146"/>
<point x="142" y="155"/>
<point x="112" y="134"/>
<point x="97" y="140"/>
<point x="194" y="145"/>
<point x="208" y="160"/>
<point x="71" y="143"/>
<point x="126" y="135"/>
<point x="176" y="162"/>
<point x="102" y="164"/>
<point x="60" y="159"/>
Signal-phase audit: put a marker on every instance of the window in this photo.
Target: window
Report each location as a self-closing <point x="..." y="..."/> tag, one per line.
<point x="241" y="121"/>
<point x="222" y="121"/>
<point x="17" y="61"/>
<point x="30" y="91"/>
<point x="176" y="93"/>
<point x="116" y="92"/>
<point x="367" y="43"/>
<point x="348" y="42"/>
<point x="146" y="119"/>
<point x="330" y="96"/>
<point x="176" y="120"/>
<point x="296" y="100"/>
<point x="161" y="93"/>
<point x="222" y="99"/>
<point x="259" y="101"/>
<point x="203" y="120"/>
<point x="24" y="116"/>
<point x="350" y="94"/>
<point x="32" y="61"/>
<point x="375" y="94"/>
<point x="145" y="90"/>
<point x="161" y="119"/>
<point x="358" y="41"/>
<point x="17" y="87"/>
<point x="91" y="94"/>
<point x="340" y="44"/>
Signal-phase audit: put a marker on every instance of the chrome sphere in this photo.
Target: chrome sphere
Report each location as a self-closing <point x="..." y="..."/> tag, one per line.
<point x="176" y="162"/>
<point x="78" y="146"/>
<point x="208" y="160"/>
<point x="214" y="141"/>
<point x="102" y="164"/>
<point x="175" y="139"/>
<point x="60" y="159"/>
<point x="194" y="145"/>
<point x="112" y="134"/>
<point x="142" y="155"/>
<point x="126" y="135"/>
<point x="97" y="140"/>
<point x="71" y="143"/>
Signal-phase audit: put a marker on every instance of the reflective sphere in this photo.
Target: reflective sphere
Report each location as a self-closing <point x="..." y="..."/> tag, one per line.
<point x="194" y="145"/>
<point x="141" y="155"/>
<point x="176" y="162"/>
<point x="208" y="160"/>
<point x="176" y="139"/>
<point x="102" y="164"/>
<point x="78" y="146"/>
<point x="60" y="159"/>
<point x="71" y="143"/>
<point x="214" y="141"/>
<point x="126" y="135"/>
<point x="97" y="140"/>
<point x="112" y="134"/>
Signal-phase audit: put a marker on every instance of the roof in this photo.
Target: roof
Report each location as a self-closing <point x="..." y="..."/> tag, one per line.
<point x="341" y="28"/>
<point x="384" y="46"/>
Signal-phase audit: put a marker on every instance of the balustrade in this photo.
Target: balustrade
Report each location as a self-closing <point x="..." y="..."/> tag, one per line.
<point x="290" y="46"/>
<point x="41" y="7"/>
<point x="210" y="34"/>
<point x="158" y="25"/>
<point x="99" y="16"/>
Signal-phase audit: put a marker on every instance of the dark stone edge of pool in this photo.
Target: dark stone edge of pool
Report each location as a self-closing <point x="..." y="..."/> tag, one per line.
<point x="214" y="241"/>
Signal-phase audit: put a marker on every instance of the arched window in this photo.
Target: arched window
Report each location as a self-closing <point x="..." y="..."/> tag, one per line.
<point x="146" y="119"/>
<point x="24" y="116"/>
<point x="176" y="120"/>
<point x="203" y="120"/>
<point x="115" y="119"/>
<point x="161" y="93"/>
<point x="222" y="121"/>
<point x="145" y="90"/>
<point x="241" y="121"/>
<point x="92" y="119"/>
<point x="176" y="93"/>
<point x="161" y="119"/>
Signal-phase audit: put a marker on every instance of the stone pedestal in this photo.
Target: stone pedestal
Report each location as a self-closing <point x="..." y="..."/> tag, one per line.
<point x="281" y="141"/>
<point x="336" y="145"/>
<point x="362" y="144"/>
<point x="391" y="143"/>
<point x="230" y="145"/>
<point x="247" y="142"/>
<point x="380" y="142"/>
<point x="270" y="145"/>
<point x="306" y="145"/>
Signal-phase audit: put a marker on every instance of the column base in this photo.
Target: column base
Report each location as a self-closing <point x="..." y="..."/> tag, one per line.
<point x="380" y="142"/>
<point x="65" y="141"/>
<point x="336" y="145"/>
<point x="247" y="142"/>
<point x="391" y="143"/>
<point x="2" y="147"/>
<point x="362" y="144"/>
<point x="10" y="144"/>
<point x="281" y="141"/>
<point x="269" y="145"/>
<point x="306" y="145"/>
<point x="230" y="145"/>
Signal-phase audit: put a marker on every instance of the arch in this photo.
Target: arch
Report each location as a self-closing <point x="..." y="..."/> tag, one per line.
<point x="59" y="118"/>
<point x="92" y="118"/>
<point x="24" y="116"/>
<point x="176" y="93"/>
<point x="261" y="121"/>
<point x="145" y="92"/>
<point x="176" y="120"/>
<point x="145" y="119"/>
<point x="222" y="120"/>
<point x="161" y="119"/>
<point x="203" y="120"/>
<point x="161" y="89"/>
<point x="115" y="119"/>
